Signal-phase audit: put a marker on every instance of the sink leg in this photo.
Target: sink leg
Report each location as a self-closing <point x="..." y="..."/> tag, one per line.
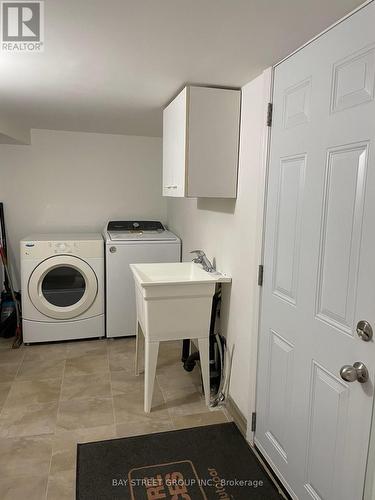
<point x="151" y="358"/>
<point x="137" y="348"/>
<point x="203" y="345"/>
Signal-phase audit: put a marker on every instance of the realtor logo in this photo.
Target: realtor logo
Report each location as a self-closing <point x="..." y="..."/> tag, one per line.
<point x="22" y="26"/>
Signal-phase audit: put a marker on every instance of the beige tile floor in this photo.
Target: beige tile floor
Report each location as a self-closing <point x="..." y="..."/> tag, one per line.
<point x="54" y="396"/>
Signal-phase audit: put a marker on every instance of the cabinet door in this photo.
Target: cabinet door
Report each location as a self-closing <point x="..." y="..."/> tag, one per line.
<point x="213" y="137"/>
<point x="174" y="146"/>
<point x="167" y="150"/>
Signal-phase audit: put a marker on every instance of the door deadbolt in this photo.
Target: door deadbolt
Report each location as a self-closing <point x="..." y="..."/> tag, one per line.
<point x="112" y="249"/>
<point x="357" y="372"/>
<point x="364" y="331"/>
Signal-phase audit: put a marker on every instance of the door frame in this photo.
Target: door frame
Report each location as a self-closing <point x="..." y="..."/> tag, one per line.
<point x="259" y="247"/>
<point x="268" y="74"/>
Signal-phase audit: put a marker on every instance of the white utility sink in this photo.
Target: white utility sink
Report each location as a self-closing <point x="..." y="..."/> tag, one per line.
<point x="174" y="299"/>
<point x="175" y="273"/>
<point x="174" y="302"/>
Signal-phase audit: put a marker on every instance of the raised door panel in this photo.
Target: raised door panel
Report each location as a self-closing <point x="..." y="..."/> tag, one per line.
<point x="297" y="104"/>
<point x="288" y="227"/>
<point x="328" y="420"/>
<point x="353" y="80"/>
<point x="341" y="235"/>
<point x="278" y="398"/>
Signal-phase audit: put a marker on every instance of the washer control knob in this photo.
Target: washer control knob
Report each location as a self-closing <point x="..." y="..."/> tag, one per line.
<point x="61" y="246"/>
<point x="112" y="249"/>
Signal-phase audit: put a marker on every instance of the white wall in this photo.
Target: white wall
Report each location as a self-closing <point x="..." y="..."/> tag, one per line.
<point x="69" y="181"/>
<point x="12" y="133"/>
<point x="229" y="231"/>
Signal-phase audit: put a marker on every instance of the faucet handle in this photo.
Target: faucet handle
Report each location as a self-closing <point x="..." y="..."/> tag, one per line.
<point x="200" y="253"/>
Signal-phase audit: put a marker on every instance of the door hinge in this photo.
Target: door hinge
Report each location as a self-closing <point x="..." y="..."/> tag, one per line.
<point x="269" y="114"/>
<point x="260" y="275"/>
<point x="253" y="421"/>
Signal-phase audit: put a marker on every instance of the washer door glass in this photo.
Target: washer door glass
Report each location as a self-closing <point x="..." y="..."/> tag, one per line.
<point x="63" y="286"/>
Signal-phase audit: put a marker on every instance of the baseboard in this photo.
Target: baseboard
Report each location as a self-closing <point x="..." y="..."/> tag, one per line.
<point x="238" y="418"/>
<point x="237" y="415"/>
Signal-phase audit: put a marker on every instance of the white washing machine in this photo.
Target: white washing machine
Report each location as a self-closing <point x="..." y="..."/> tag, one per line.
<point x="62" y="285"/>
<point x="132" y="242"/>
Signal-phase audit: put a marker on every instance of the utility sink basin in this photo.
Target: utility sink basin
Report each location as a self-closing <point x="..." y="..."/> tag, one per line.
<point x="174" y="299"/>
<point x="173" y="303"/>
<point x="175" y="273"/>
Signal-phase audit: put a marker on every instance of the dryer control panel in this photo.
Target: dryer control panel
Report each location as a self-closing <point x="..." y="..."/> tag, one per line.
<point x="39" y="249"/>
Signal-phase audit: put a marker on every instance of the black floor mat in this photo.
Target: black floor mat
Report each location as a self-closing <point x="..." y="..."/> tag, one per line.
<point x="203" y="463"/>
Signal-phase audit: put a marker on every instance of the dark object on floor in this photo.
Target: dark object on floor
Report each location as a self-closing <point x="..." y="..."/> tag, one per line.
<point x="217" y="349"/>
<point x="8" y="314"/>
<point x="203" y="463"/>
<point x="17" y="308"/>
<point x="3" y="243"/>
<point x="8" y="285"/>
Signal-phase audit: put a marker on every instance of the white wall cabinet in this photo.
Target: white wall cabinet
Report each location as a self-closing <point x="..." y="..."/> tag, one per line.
<point x="200" y="143"/>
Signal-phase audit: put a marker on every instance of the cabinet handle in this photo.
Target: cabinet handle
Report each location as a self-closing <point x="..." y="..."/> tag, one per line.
<point x="173" y="187"/>
<point x="167" y="187"/>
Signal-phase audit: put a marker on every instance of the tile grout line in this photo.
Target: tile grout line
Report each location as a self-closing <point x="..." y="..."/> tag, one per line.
<point x="13" y="380"/>
<point x="169" y="409"/>
<point x="57" y="416"/>
<point x="207" y="410"/>
<point x="165" y="401"/>
<point x="111" y="388"/>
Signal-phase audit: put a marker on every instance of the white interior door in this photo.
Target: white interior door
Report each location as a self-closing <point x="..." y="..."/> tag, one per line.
<point x="319" y="265"/>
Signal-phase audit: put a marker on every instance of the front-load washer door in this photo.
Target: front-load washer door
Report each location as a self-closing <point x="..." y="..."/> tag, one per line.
<point x="63" y="287"/>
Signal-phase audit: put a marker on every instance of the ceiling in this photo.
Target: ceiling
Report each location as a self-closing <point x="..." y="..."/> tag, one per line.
<point x="111" y="65"/>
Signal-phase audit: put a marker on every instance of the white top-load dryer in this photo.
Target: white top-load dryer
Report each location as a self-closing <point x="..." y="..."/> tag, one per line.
<point x="132" y="242"/>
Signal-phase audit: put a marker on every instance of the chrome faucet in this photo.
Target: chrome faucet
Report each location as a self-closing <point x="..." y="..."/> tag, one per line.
<point x="201" y="258"/>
